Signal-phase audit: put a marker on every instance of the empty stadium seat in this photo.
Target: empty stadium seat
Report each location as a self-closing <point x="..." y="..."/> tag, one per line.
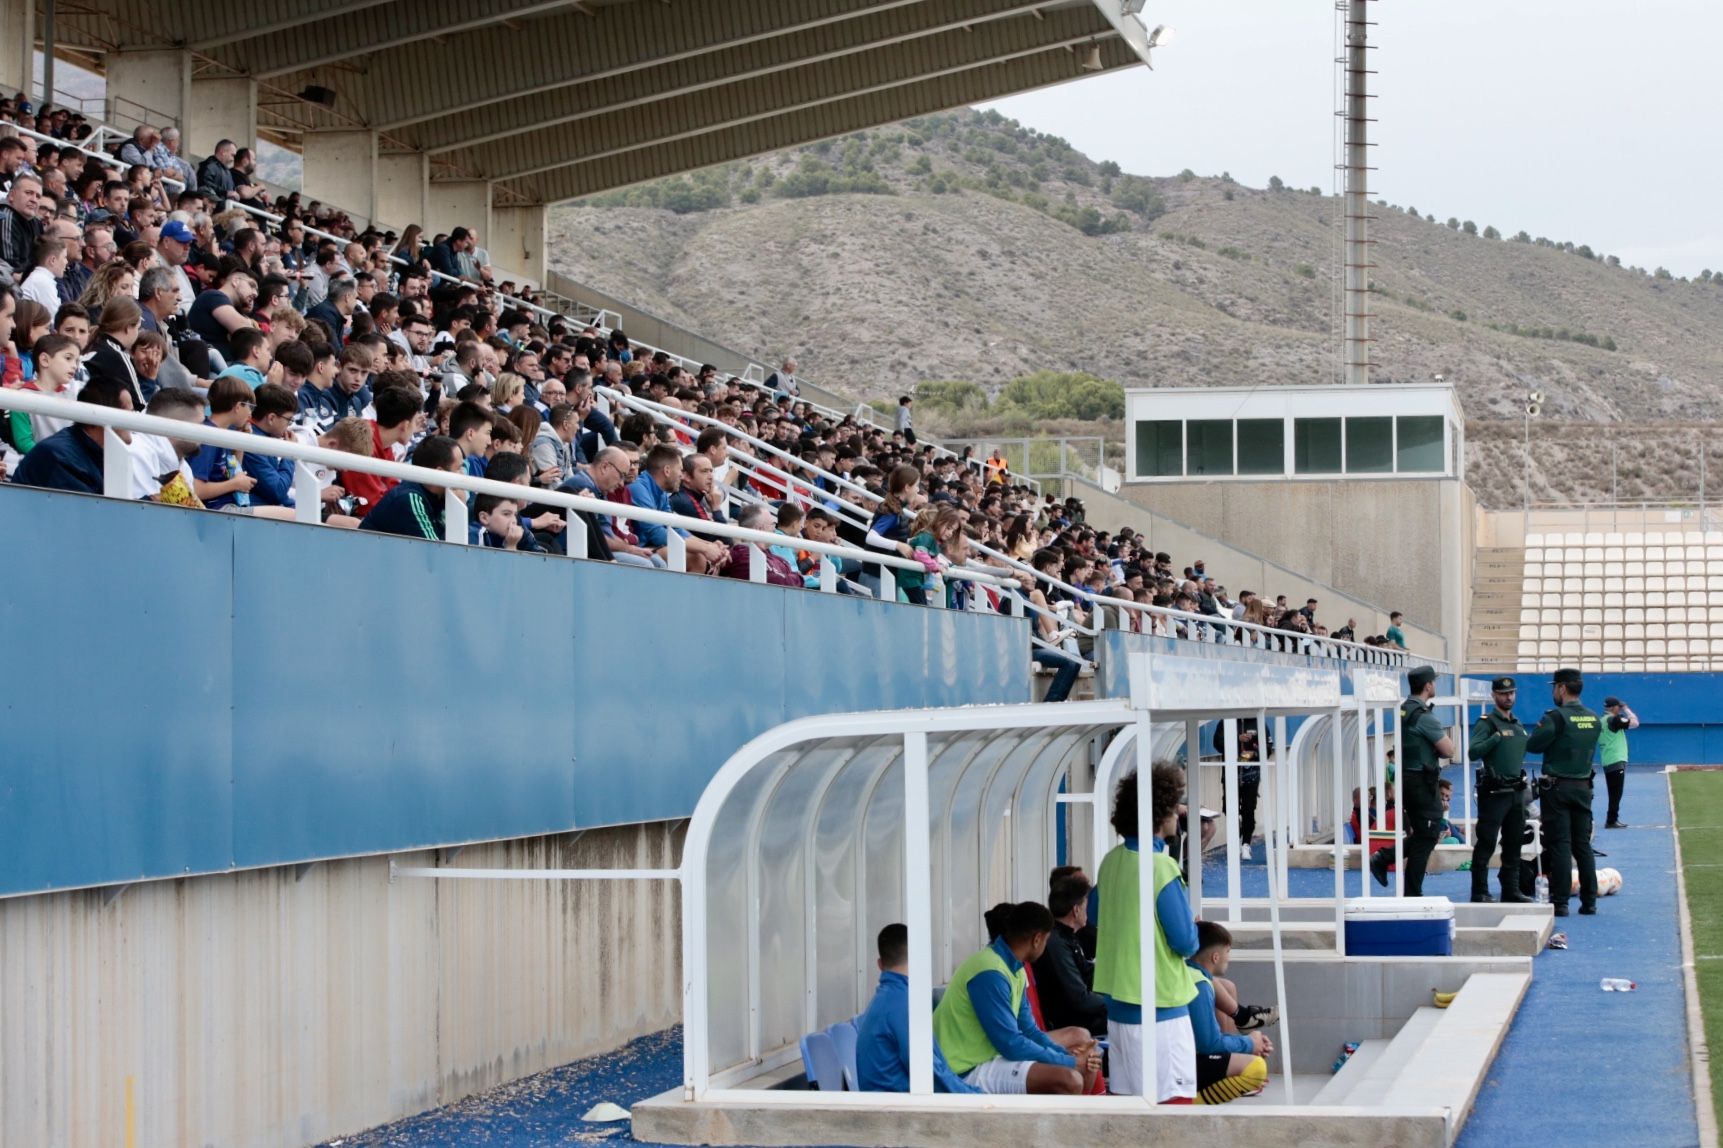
<point x="1534" y="540"/>
<point x="1612" y="539"/>
<point x="1612" y="597"/>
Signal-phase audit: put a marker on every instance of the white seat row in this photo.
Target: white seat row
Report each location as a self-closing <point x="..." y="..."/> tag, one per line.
<point x="1646" y="538"/>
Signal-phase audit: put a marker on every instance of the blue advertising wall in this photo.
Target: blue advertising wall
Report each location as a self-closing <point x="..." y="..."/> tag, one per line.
<point x="1680" y="715"/>
<point x="192" y="692"/>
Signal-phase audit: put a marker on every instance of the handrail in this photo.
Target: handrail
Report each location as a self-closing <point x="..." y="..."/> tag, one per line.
<point x="113" y="418"/>
<point x="112" y="163"/>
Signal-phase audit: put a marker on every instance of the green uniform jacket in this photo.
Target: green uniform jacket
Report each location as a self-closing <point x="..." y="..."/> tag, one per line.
<point x="1421" y="733"/>
<point x="1566" y="736"/>
<point x="1500" y="743"/>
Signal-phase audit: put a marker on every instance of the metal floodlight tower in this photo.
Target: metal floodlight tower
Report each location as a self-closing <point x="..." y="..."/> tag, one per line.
<point x="1356" y="297"/>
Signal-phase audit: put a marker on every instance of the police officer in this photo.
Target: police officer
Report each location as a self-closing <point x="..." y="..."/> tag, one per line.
<point x="1567" y="736"/>
<point x="1426" y="743"/>
<point x="1499" y="741"/>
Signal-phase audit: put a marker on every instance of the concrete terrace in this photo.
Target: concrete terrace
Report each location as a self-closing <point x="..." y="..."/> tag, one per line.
<point x="1579" y="1065"/>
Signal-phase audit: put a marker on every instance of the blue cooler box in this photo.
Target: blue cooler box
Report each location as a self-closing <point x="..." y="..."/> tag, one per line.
<point x="1400" y="927"/>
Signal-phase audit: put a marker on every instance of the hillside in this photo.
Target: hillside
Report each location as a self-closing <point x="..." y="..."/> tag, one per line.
<point x="966" y="246"/>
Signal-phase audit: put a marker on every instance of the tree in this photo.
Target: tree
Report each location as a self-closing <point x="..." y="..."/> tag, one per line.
<point x="951" y="395"/>
<point x="1047" y="395"/>
<point x="1492" y="233"/>
<point x="1469" y="227"/>
<point x="1662" y="273"/>
<point x="1109" y="168"/>
<point x="1187" y="175"/>
<point x="1453" y="224"/>
<point x="1274" y="183"/>
<point x="1523" y="237"/>
<point x="1137" y="195"/>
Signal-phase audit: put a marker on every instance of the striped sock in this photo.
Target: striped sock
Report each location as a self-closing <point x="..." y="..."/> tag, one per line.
<point x="1247" y="1083"/>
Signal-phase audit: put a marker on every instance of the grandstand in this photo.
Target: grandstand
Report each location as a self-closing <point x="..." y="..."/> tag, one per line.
<point x="363" y="819"/>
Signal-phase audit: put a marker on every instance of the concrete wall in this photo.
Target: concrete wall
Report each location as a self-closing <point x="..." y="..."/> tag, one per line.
<point x="1244" y="567"/>
<point x="1380" y="542"/>
<point x="1680" y="723"/>
<point x="1508" y="528"/>
<point x="218" y="108"/>
<point x="261" y="1010"/>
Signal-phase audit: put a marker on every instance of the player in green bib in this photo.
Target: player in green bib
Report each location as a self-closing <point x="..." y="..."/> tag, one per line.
<point x="1118" y="971"/>
<point x="1612" y="753"/>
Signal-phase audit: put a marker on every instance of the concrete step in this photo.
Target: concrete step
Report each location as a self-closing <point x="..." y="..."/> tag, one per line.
<point x="1405" y="1048"/>
<point x="1338" y="1090"/>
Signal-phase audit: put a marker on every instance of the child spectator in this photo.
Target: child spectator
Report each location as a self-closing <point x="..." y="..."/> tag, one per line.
<point x="219" y="472"/>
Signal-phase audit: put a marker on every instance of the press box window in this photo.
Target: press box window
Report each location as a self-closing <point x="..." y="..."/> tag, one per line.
<point x="1370" y="446"/>
<point x="1419" y="450"/>
<point x="1160" y="449"/>
<point x="1261" y="446"/>
<point x="1316" y="446"/>
<point x="1208" y="447"/>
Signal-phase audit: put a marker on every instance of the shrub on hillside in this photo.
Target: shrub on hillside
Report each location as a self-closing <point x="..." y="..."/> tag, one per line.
<point x="1062" y="395"/>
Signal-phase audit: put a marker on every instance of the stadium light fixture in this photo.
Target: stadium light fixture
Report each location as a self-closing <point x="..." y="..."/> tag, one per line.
<point x="1161" y="36"/>
<point x="1092" y="59"/>
<point x="1131" y="7"/>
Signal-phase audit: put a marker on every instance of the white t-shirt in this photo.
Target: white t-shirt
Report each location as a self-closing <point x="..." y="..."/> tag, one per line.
<point x="152" y="457"/>
<point x="39" y="285"/>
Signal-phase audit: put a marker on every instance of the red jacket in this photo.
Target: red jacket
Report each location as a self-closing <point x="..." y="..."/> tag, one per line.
<point x="778" y="571"/>
<point x="370" y="487"/>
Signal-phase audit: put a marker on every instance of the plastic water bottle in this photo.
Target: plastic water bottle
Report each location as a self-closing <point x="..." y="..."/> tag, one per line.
<point x="1617" y="985"/>
<point x="1542" y="892"/>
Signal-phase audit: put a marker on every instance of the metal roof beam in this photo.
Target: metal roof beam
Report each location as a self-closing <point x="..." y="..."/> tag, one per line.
<point x="975" y="85"/>
<point x="423" y="80"/>
<point x="374" y="29"/>
<point x="228" y="23"/>
<point x="730" y="65"/>
<point x="810" y="86"/>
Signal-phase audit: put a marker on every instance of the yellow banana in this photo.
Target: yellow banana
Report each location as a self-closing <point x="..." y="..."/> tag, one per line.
<point x="1443" y="1000"/>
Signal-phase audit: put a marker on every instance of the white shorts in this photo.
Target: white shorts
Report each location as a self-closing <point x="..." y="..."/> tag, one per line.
<point x="1001" y="1077"/>
<point x="1175" y="1059"/>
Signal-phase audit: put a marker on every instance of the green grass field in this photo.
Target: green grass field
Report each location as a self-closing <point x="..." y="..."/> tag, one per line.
<point x="1699" y="814"/>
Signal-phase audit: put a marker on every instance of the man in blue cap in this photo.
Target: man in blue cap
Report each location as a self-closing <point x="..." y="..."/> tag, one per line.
<point x="1567" y="737"/>
<point x="1425" y="745"/>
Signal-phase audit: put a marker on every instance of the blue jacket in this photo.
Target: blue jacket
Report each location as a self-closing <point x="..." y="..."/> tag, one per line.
<point x="218" y="464"/>
<point x="326" y="312"/>
<point x="1205" y="1028"/>
<point x="318" y="408"/>
<point x="351" y="405"/>
<point x="648" y="495"/>
<point x="65" y="460"/>
<point x="253" y="377"/>
<point x="1015" y="1035"/>
<point x="882" y="1043"/>
<point x="274" y="476"/>
<point x="408" y="510"/>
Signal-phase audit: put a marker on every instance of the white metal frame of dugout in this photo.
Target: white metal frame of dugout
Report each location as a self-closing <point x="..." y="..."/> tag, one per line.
<point x="818" y="833"/>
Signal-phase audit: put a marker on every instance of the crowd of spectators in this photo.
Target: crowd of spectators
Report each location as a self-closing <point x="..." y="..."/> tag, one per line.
<point x="139" y="271"/>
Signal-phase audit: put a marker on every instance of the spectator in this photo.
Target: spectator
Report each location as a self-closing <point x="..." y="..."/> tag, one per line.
<point x="552" y="446"/>
<point x="470" y="426"/>
<point x="444" y="256"/>
<point x="160" y="465"/>
<point x="318" y="406"/>
<point x="43" y="283"/>
<point x="1396" y="636"/>
<point x="740" y="561"/>
<point x="121" y="323"/>
<point x="353" y="395"/>
<point x="71" y="459"/>
<point x="165" y="157"/>
<point x="904" y="417"/>
<point x="271" y="417"/>
<point x="19" y="226"/>
<point x="215" y="173"/>
<point x="882" y="1031"/>
<point x="335" y="311"/>
<point x="148" y="355"/>
<point x="607" y="478"/>
<point x="224" y="307"/>
<point x="699" y="497"/>
<point x="661" y="474"/>
<point x="220" y="479"/>
<point x="890" y="529"/>
<point x="249" y="356"/>
<point x="397" y="409"/>
<point x="412" y="509"/>
<point x="783" y="381"/>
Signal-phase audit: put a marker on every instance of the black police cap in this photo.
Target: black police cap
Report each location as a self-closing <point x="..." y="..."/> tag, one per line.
<point x="1503" y="685"/>
<point x="1567" y="678"/>
<point x="1421" y="676"/>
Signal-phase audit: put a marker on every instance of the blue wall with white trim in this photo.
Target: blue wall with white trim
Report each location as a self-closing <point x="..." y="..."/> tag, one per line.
<point x="189" y="692"/>
<point x="1680" y="715"/>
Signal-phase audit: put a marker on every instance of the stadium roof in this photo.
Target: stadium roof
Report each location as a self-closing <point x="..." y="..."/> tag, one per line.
<point x="554" y="99"/>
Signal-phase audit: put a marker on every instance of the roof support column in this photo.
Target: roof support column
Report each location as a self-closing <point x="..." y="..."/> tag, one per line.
<point x="18" y="45"/>
<point x="403" y="180"/>
<point x="458" y="203"/>
<point x="341" y="169"/>
<point x="219" y="108"/>
<point x="517" y="240"/>
<point x="148" y="86"/>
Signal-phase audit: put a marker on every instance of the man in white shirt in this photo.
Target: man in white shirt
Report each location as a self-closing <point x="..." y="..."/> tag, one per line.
<point x="155" y="459"/>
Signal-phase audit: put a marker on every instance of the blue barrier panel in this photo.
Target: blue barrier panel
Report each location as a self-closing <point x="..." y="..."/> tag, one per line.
<point x="193" y="692"/>
<point x="1681" y="722"/>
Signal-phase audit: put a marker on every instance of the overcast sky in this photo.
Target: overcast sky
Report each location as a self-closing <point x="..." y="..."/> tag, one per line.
<point x="1581" y="120"/>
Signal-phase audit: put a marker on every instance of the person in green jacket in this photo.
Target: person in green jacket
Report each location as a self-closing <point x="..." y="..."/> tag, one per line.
<point x="1567" y="737"/>
<point x="1612" y="751"/>
<point x="1118" y="947"/>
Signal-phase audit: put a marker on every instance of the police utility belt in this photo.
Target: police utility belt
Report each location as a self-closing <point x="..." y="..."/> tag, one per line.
<point x="1489" y="783"/>
<point x="1548" y="782"/>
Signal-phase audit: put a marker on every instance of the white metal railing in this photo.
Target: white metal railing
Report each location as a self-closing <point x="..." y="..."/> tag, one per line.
<point x="117" y="479"/>
<point x="94" y="153"/>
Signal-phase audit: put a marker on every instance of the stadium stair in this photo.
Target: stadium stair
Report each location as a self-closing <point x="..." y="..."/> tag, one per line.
<point x="1493" y="640"/>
